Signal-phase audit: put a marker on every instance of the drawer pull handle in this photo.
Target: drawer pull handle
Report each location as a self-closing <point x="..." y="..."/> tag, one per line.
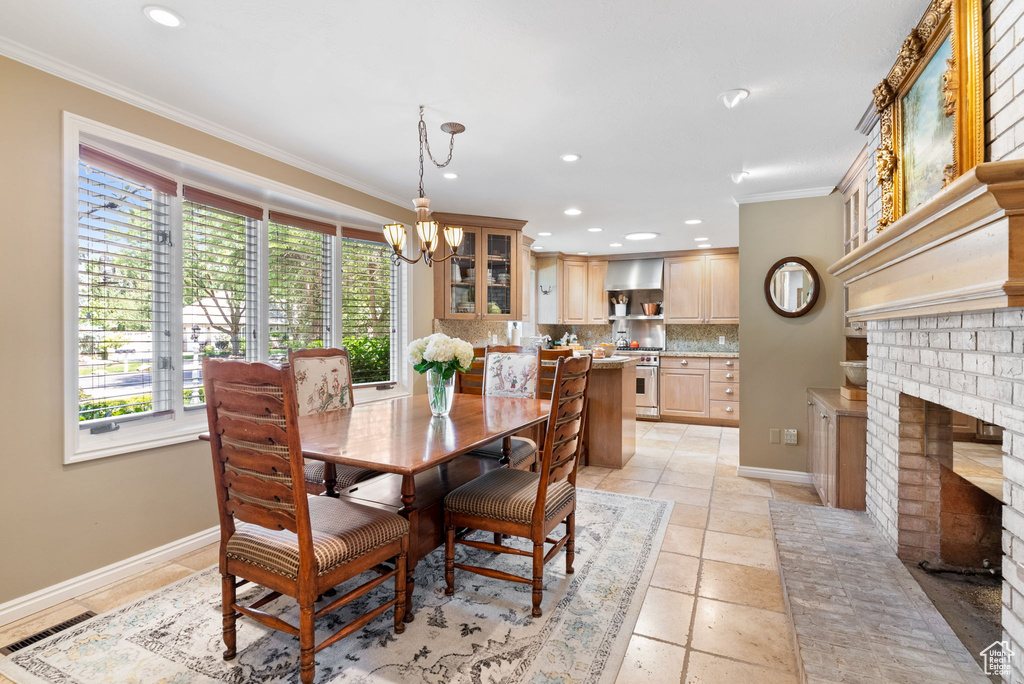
<point x="728" y="391"/>
<point x="728" y="409"/>
<point x="823" y="416"/>
<point x="729" y="375"/>
<point x="810" y="403"/>
<point x="728" y="363"/>
<point x="684" y="362"/>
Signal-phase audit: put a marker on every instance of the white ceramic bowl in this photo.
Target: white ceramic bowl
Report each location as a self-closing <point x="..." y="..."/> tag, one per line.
<point x="856" y="372"/>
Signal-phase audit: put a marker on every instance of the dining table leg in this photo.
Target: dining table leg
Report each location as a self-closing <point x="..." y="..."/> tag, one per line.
<point x="409" y="512"/>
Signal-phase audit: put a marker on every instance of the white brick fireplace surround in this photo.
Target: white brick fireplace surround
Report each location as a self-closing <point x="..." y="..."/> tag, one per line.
<point x="972" y="363"/>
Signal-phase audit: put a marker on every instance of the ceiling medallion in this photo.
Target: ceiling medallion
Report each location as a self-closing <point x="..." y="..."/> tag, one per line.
<point x="426" y="230"/>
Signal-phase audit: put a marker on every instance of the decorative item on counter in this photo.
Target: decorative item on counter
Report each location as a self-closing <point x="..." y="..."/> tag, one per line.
<point x="597" y="352"/>
<point x="634" y="344"/>
<point x="439" y="356"/>
<point x="857" y="380"/>
<point x="516" y="338"/>
<point x="609" y="349"/>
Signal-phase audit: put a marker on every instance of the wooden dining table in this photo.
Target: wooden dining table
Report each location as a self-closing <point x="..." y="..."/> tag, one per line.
<point x="419" y="452"/>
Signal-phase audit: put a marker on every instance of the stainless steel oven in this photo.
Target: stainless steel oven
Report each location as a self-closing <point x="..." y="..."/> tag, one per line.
<point x="648" y="363"/>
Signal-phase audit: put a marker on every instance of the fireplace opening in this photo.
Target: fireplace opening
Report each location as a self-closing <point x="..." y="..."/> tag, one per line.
<point x="950" y="516"/>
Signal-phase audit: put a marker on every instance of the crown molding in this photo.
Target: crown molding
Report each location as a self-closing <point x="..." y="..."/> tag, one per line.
<point x="785" y="195"/>
<point x="868" y="120"/>
<point x="69" y="72"/>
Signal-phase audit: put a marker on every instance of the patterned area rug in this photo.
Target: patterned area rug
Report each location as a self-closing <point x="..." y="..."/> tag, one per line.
<point x="484" y="634"/>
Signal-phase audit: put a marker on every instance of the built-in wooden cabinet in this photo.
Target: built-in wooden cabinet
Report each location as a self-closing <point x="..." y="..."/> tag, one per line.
<point x="597" y="296"/>
<point x="837" y="448"/>
<point x="702" y="289"/>
<point x="854" y="188"/>
<point x="526" y="286"/>
<point x="700" y="390"/>
<point x="574" y="292"/>
<point x="485" y="279"/>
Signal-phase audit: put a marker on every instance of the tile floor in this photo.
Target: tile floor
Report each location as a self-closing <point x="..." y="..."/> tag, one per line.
<point x="714" y="611"/>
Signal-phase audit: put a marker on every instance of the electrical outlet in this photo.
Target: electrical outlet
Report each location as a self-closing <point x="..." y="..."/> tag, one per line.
<point x="773" y="435"/>
<point x="721" y="339"/>
<point x="789" y="436"/>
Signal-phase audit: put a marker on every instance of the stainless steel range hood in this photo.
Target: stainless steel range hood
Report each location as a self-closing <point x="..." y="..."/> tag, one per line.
<point x="635" y="274"/>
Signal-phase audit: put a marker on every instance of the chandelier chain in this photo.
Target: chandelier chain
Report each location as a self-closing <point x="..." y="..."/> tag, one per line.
<point x="425" y="144"/>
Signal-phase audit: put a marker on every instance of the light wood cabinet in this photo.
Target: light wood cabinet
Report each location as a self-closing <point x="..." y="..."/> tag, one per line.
<point x="837" y="448"/>
<point x="702" y="289"/>
<point x="597" y="297"/>
<point x="700" y="390"/>
<point x="574" y="292"/>
<point x="526" y="286"/>
<point x="685" y="393"/>
<point x="854" y="188"/>
<point x="485" y="279"/>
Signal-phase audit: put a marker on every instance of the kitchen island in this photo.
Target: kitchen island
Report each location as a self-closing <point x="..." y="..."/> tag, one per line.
<point x="611" y="413"/>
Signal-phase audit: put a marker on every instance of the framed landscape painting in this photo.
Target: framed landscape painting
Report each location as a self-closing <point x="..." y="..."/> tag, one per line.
<point x="931" y="108"/>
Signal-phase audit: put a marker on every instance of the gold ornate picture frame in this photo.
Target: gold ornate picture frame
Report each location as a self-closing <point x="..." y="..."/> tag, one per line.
<point x="948" y="27"/>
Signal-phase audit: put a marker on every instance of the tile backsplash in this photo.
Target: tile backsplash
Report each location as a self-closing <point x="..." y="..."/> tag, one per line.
<point x="678" y="337"/>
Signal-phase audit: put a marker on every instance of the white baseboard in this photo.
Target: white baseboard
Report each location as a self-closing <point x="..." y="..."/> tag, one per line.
<point x="774" y="474"/>
<point x="76" y="586"/>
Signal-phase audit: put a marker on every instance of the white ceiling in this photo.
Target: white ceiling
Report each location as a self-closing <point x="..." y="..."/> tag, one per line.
<point x="631" y="86"/>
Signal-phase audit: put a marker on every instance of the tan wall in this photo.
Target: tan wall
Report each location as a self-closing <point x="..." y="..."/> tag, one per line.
<point x="62" y="521"/>
<point x="782" y="357"/>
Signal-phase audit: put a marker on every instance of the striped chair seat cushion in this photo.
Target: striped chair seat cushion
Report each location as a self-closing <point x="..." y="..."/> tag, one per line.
<point x="345" y="475"/>
<point x="508" y="495"/>
<point x="524" y="451"/>
<point x="341" y="531"/>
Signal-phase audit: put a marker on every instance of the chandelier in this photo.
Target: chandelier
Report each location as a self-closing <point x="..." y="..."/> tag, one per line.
<point x="426" y="230"/>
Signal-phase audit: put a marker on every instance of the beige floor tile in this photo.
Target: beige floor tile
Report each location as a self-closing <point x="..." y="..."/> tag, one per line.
<point x="757" y="636"/>
<point x="684" y="540"/>
<point x="202" y="558"/>
<point x="5" y="680"/>
<point x="741" y="584"/>
<point x="662" y="435"/>
<point x="744" y="524"/>
<point x="684" y="495"/>
<point x="647" y="443"/>
<point x="631" y="487"/>
<point x="37" y="622"/>
<point x="740" y="502"/>
<point x="704" y="668"/>
<point x="682" y="465"/>
<point x="733" y="548"/>
<point x="648" y="661"/>
<point x="795" y="493"/>
<point x="676" y="572"/>
<point x="665" y="615"/>
<point x="706" y="431"/>
<point x="648" y="459"/>
<point x="743" y="485"/>
<point x="697" y="445"/>
<point x="696" y="480"/>
<point x="689" y="516"/>
<point x="590" y="480"/>
<point x="728" y="459"/>
<point x="593" y="470"/>
<point x="633" y="473"/>
<point x="134" y="587"/>
<point x="725" y="470"/>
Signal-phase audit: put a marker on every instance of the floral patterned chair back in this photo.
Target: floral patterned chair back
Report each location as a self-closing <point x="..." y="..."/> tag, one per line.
<point x="512" y="372"/>
<point x="323" y="380"/>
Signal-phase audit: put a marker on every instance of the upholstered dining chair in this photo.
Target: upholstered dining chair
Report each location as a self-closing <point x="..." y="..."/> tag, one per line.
<point x="273" y="533"/>
<point x="323" y="382"/>
<point x="527" y="504"/>
<point x="510" y="371"/>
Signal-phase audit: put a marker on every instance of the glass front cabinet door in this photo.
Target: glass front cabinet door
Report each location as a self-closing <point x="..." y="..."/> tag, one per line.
<point x="484" y="280"/>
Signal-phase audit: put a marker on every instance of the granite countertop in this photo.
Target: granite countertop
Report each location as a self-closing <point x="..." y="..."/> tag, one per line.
<point x="613" y="362"/>
<point x="703" y="354"/>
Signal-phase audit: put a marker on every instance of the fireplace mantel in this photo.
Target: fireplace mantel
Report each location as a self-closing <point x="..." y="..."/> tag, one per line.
<point x="962" y="250"/>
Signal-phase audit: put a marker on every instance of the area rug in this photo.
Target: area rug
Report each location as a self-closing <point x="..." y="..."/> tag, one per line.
<point x="483" y="634"/>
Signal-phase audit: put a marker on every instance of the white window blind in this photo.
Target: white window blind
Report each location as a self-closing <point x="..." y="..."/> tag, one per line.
<point x="123" y="292"/>
<point x="219" y="294"/>
<point x="299" y="270"/>
<point x="369" y="309"/>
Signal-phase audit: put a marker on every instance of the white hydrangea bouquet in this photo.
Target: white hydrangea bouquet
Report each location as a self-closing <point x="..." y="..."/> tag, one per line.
<point x="440" y="356"/>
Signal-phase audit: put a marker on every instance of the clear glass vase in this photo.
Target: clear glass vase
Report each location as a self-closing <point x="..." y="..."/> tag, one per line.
<point x="440" y="392"/>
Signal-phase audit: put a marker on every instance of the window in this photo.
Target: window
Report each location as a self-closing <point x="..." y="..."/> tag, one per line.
<point x="369" y="309"/>
<point x="169" y="274"/>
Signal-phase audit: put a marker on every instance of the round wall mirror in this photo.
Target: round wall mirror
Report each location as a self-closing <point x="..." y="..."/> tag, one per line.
<point x="791" y="287"/>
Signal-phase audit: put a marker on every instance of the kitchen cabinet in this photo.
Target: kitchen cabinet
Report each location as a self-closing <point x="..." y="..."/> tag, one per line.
<point x="527" y="287"/>
<point x="837" y="448"/>
<point x="597" y="297"/>
<point x="574" y="291"/>
<point x="485" y="279"/>
<point x="700" y="390"/>
<point x="702" y="289"/>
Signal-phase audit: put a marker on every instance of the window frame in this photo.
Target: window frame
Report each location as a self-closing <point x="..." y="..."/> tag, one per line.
<point x="181" y="425"/>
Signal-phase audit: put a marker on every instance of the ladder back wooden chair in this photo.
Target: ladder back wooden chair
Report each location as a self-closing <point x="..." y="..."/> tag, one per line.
<point x="526" y="504"/>
<point x="272" y="532"/>
<point x="472" y="381"/>
<point x="323" y="382"/>
<point x="511" y="371"/>
<point x="548" y="359"/>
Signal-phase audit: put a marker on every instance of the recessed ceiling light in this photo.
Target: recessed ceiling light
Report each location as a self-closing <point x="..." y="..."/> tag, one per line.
<point x="593" y="230"/>
<point x="739" y="176"/>
<point x="583" y="253"/>
<point x="699" y="239"/>
<point x="451" y="176"/>
<point x="615" y="244"/>
<point x="570" y="157"/>
<point x="573" y="212"/>
<point x="544" y="234"/>
<point x="536" y="246"/>
<point x="693" y="222"/>
<point x="731" y="98"/>
<point x="163" y="16"/>
<point x="642" y="236"/>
